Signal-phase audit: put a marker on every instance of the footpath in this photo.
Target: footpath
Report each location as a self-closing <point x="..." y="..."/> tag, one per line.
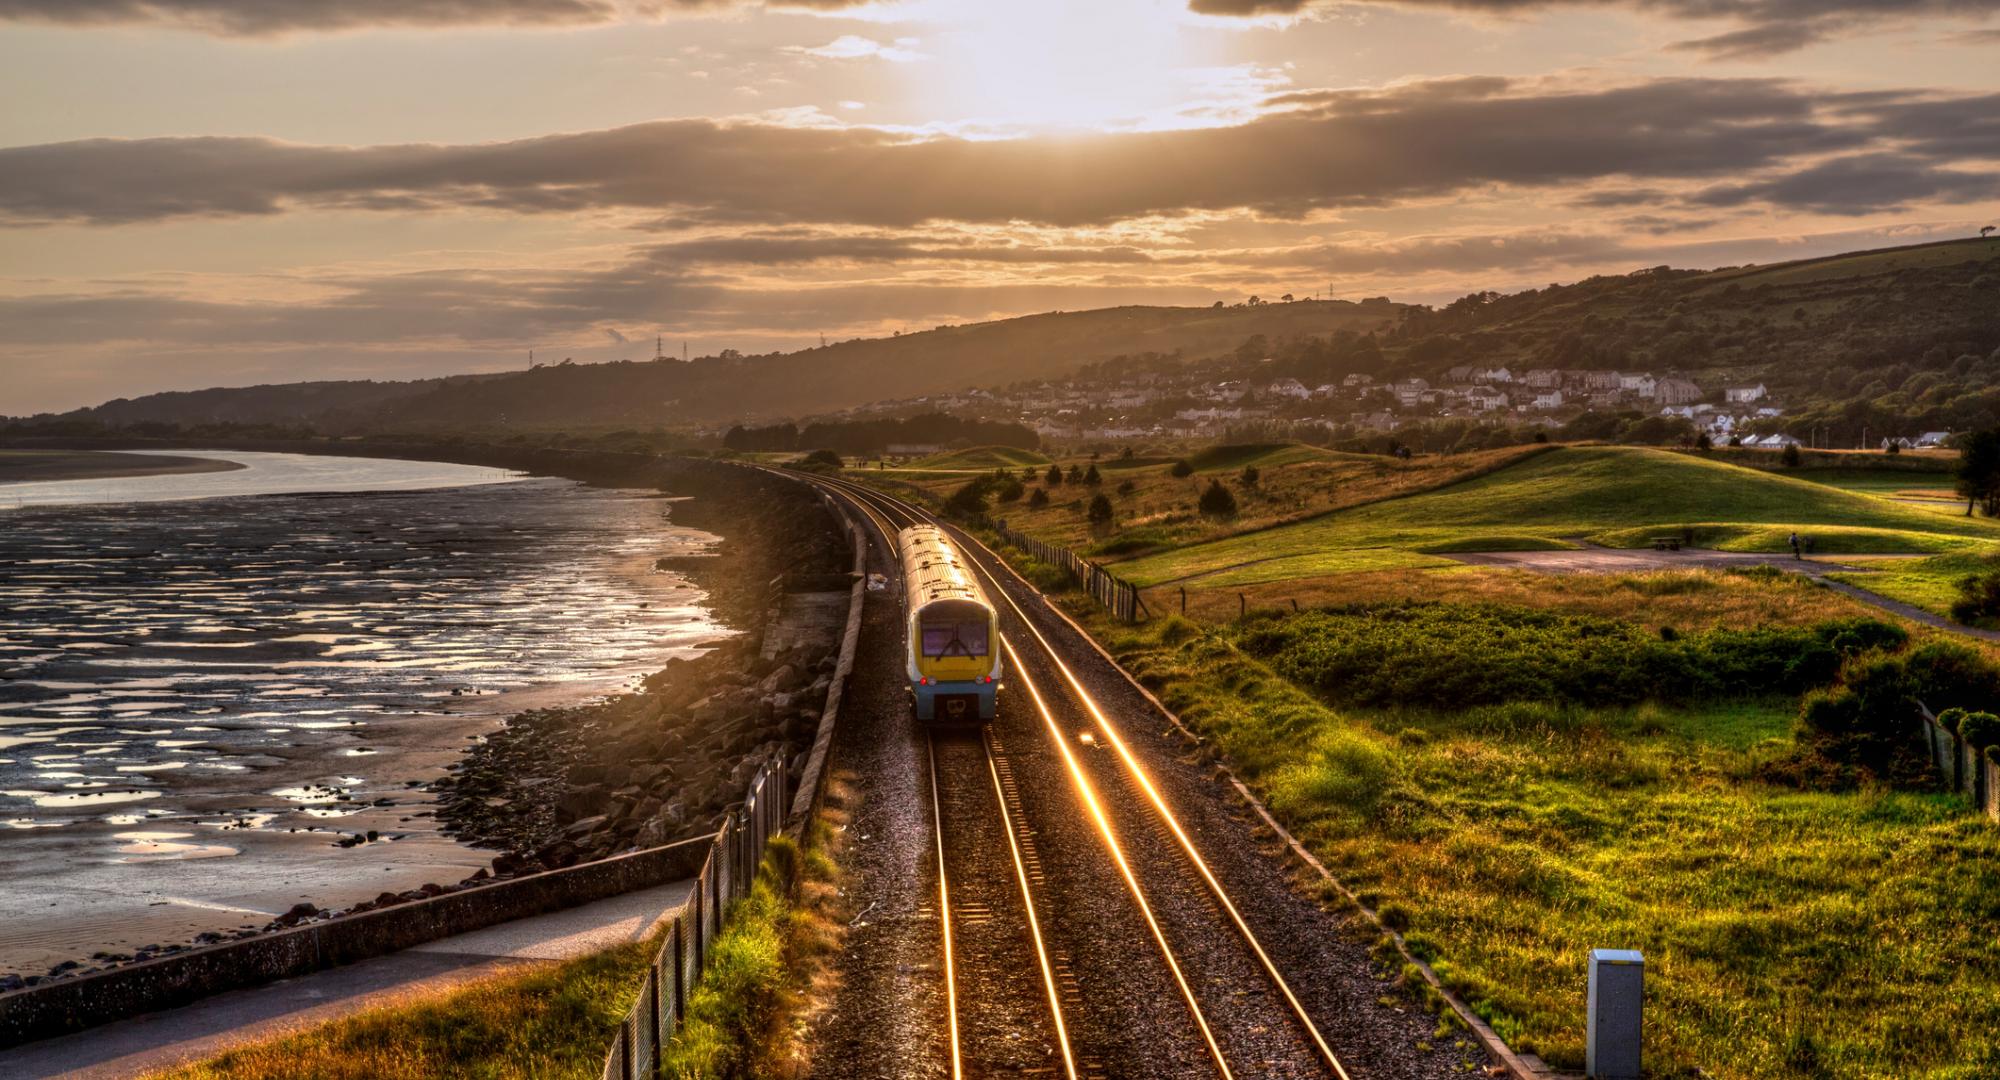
<point x="165" y="1039"/>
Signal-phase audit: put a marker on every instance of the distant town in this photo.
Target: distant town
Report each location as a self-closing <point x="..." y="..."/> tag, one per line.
<point x="1197" y="405"/>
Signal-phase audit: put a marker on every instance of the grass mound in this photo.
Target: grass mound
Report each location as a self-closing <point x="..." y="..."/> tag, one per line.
<point x="981" y="457"/>
<point x="1262" y="455"/>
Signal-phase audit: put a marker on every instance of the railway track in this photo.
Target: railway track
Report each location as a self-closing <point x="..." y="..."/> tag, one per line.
<point x="1071" y="807"/>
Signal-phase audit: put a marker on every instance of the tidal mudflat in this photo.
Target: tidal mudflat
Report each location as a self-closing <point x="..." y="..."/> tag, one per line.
<point x="211" y="710"/>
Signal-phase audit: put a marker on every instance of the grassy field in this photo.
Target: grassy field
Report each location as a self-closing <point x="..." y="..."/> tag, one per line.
<point x="1158" y="511"/>
<point x="1618" y="496"/>
<point x="978" y="459"/>
<point x="1787" y="933"/>
<point x="1931" y="584"/>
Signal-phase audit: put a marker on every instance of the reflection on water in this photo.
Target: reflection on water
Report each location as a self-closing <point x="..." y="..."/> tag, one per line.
<point x="185" y="665"/>
<point x="262" y="474"/>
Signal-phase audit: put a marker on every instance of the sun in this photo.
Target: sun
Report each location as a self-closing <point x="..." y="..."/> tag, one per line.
<point x="1063" y="64"/>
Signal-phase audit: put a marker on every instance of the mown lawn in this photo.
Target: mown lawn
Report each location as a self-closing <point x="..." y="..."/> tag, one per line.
<point x="1787" y="933"/>
<point x="1618" y="496"/>
<point x="1931" y="584"/>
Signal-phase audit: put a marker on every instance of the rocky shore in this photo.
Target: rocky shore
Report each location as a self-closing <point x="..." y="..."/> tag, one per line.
<point x="557" y="786"/>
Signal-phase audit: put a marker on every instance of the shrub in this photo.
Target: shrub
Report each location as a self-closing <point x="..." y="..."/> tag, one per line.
<point x="1181" y="470"/>
<point x="1076" y="475"/>
<point x="1978" y="602"/>
<point x="1126" y="488"/>
<point x="1090" y="476"/>
<point x="1249" y="476"/>
<point x="1217" y="502"/>
<point x="1039" y="499"/>
<point x="970" y="500"/>
<point x="820" y="461"/>
<point x="1980" y="730"/>
<point x="1457" y="656"/>
<point x="1100" y="511"/>
<point x="1053" y="477"/>
<point x="1790" y="458"/>
<point x="1009" y="490"/>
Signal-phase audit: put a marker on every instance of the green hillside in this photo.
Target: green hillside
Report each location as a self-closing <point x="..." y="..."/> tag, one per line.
<point x="979" y="459"/>
<point x="1616" y="496"/>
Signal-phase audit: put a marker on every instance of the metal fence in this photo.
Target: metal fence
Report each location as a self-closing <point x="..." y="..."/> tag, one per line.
<point x="684" y="951"/>
<point x="1120" y="598"/>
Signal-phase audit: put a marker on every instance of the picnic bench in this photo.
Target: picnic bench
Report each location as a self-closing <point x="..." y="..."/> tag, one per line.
<point x="1666" y="543"/>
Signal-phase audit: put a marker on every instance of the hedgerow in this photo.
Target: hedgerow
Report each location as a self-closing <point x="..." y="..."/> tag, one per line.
<point x="1457" y="655"/>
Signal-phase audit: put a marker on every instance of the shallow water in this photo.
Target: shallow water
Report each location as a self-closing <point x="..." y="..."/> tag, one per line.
<point x="222" y="670"/>
<point x="262" y="474"/>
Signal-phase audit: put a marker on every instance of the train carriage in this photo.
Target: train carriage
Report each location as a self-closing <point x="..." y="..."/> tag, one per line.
<point x="953" y="650"/>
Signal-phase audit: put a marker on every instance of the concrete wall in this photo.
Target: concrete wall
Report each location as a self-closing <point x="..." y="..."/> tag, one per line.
<point x="67" y="1005"/>
<point x="1961" y="768"/>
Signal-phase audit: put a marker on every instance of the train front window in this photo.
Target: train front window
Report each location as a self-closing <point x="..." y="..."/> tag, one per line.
<point x="945" y="640"/>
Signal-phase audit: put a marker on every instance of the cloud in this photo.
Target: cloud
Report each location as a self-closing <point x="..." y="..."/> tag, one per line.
<point x="269" y="18"/>
<point x="1766" y="27"/>
<point x="1860" y="184"/>
<point x="1316" y="150"/>
<point x="856" y="47"/>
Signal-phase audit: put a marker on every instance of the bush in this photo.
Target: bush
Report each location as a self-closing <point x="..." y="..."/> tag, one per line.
<point x="1790" y="458"/>
<point x="1009" y="490"/>
<point x="1039" y="499"/>
<point x="970" y="500"/>
<point x="820" y="461"/>
<point x="1980" y="730"/>
<point x="1181" y="470"/>
<point x="1458" y="656"/>
<point x="1864" y="723"/>
<point x="1100" y="511"/>
<point x="1978" y="602"/>
<point x="1126" y="488"/>
<point x="1091" y="478"/>
<point x="1217" y="502"/>
<point x="1249" y="476"/>
<point x="1053" y="477"/>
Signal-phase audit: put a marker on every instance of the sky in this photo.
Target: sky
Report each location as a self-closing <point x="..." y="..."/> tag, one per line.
<point x="205" y="193"/>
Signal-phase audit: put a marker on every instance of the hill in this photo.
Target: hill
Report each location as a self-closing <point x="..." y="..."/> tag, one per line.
<point x="730" y="386"/>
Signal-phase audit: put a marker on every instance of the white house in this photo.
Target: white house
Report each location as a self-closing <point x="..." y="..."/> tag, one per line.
<point x="1485" y="398"/>
<point x="1641" y="384"/>
<point x="1289" y="388"/>
<point x="1553" y="399"/>
<point x="1493" y="375"/>
<point x="1745" y="395"/>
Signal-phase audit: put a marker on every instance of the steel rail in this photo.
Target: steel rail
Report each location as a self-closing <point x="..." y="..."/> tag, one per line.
<point x="888" y="530"/>
<point x="1028" y="905"/>
<point x="944" y="919"/>
<point x="1153" y="796"/>
<point x="1082" y="783"/>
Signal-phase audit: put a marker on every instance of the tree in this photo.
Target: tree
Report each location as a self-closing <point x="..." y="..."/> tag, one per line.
<point x="1979" y="469"/>
<point x="1027" y="474"/>
<point x="1703" y="442"/>
<point x="1009" y="490"/>
<point x="1090" y="476"/>
<point x="1100" y="511"/>
<point x="1075" y="475"/>
<point x="1181" y="470"/>
<point x="1217" y="502"/>
<point x="1249" y="476"/>
<point x="1053" y="477"/>
<point x="970" y="500"/>
<point x="1790" y="458"/>
<point x="1039" y="499"/>
<point x="1895" y="446"/>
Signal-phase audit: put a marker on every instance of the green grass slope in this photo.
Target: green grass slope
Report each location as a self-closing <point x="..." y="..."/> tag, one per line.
<point x="1262" y="455"/>
<point x="1618" y="496"/>
<point x="980" y="459"/>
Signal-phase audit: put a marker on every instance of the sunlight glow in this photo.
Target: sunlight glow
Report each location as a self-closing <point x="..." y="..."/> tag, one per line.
<point x="1056" y="65"/>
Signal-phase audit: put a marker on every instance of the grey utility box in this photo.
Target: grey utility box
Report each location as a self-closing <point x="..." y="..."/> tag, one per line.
<point x="1611" y="1041"/>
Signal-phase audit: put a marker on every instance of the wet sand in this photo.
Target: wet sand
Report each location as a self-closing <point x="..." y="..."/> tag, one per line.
<point x="199" y="702"/>
<point x="30" y="466"/>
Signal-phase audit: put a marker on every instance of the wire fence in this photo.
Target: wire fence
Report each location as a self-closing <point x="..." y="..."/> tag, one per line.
<point x="1120" y="598"/>
<point x="727" y="874"/>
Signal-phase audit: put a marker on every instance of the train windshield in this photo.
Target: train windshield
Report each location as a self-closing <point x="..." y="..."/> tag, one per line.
<point x="953" y="638"/>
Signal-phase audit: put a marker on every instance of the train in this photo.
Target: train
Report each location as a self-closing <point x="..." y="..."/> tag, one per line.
<point x="953" y="633"/>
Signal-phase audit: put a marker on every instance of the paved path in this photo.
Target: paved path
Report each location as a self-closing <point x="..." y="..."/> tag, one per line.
<point x="161" y="1040"/>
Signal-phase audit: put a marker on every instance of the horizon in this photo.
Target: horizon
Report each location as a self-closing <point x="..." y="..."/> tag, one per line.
<point x="211" y="193"/>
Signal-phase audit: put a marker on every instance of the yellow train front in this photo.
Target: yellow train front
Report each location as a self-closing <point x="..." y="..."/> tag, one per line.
<point x="953" y="653"/>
